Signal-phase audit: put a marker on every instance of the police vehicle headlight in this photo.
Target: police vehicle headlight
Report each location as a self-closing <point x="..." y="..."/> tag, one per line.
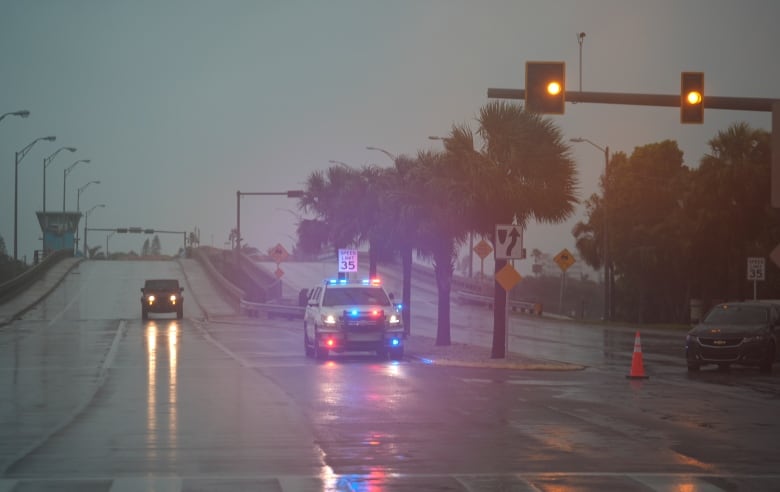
<point x="394" y="319"/>
<point x="329" y="319"/>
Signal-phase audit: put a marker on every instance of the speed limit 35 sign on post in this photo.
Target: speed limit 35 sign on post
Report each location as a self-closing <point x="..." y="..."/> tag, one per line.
<point x="348" y="260"/>
<point x="756" y="270"/>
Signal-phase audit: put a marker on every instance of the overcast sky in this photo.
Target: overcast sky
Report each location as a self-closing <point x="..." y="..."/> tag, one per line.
<point x="180" y="103"/>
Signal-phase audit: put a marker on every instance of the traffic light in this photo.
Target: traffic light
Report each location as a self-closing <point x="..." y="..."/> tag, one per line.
<point x="692" y="97"/>
<point x="545" y="87"/>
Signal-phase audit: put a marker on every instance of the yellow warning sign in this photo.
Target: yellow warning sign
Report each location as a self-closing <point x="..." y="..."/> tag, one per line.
<point x="483" y="249"/>
<point x="564" y="259"/>
<point x="508" y="277"/>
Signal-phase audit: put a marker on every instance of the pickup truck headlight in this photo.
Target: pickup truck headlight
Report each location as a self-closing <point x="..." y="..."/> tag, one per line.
<point x="329" y="320"/>
<point x="394" y="320"/>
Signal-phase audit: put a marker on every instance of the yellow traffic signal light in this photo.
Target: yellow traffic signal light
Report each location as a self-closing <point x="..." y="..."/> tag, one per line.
<point x="545" y="87"/>
<point x="692" y="97"/>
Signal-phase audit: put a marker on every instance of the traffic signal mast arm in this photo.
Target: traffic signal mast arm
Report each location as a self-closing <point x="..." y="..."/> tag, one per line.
<point x="664" y="100"/>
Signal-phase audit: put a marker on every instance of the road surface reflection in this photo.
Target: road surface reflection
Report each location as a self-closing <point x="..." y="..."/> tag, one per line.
<point x="155" y="354"/>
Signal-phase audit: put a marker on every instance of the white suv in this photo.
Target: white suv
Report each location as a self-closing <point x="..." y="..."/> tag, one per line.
<point x="346" y="316"/>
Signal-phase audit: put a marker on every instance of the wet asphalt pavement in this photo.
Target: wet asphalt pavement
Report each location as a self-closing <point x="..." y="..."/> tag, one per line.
<point x="95" y="399"/>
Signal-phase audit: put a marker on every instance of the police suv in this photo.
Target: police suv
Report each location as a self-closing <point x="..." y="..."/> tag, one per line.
<point x="344" y="316"/>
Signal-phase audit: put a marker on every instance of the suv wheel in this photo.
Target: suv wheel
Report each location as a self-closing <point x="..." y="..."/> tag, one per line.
<point x="320" y="353"/>
<point x="180" y="312"/>
<point x="309" y="351"/>
<point x="144" y="314"/>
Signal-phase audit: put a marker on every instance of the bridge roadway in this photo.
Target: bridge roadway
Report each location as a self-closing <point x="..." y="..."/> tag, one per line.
<point x="94" y="399"/>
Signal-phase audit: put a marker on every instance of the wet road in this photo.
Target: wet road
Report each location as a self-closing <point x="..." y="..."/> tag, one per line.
<point x="95" y="399"/>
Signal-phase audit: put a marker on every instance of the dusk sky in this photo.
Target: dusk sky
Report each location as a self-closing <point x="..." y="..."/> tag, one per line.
<point x="180" y="103"/>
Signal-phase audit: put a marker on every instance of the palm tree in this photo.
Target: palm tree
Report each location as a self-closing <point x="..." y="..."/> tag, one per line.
<point x="521" y="171"/>
<point x="430" y="221"/>
<point x="346" y="202"/>
<point x="731" y="195"/>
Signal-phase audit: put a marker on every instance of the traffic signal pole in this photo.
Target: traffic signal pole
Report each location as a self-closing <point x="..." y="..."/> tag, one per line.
<point x="664" y="100"/>
<point x="673" y="100"/>
<point x="539" y="75"/>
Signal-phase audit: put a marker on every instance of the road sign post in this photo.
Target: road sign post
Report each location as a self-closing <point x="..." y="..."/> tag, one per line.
<point x="756" y="270"/>
<point x="483" y="250"/>
<point x="564" y="260"/>
<point x="508" y="244"/>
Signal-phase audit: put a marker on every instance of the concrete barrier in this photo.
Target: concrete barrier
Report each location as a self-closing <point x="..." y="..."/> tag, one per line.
<point x="16" y="285"/>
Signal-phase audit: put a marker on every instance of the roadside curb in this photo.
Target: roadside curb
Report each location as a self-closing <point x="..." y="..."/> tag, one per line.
<point x="500" y="364"/>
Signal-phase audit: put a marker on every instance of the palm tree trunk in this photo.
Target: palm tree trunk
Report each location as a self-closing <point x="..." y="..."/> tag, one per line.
<point x="371" y="260"/>
<point x="443" y="269"/>
<point x="406" y="299"/>
<point x="498" y="350"/>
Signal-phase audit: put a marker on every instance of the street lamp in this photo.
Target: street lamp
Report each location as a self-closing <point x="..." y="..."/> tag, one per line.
<point x="342" y="164"/>
<point x="46" y="163"/>
<point x="388" y="154"/>
<point x="18" y="158"/>
<point x="607" y="268"/>
<point x="108" y="236"/>
<point x="239" y="194"/>
<point x="65" y="173"/>
<point x="23" y="113"/>
<point x="86" y="218"/>
<point x="78" y="206"/>
<point x="81" y="190"/>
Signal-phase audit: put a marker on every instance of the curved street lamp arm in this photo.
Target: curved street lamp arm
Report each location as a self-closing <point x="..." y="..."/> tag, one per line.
<point x="388" y="154"/>
<point x="23" y="113"/>
<point x="20" y="155"/>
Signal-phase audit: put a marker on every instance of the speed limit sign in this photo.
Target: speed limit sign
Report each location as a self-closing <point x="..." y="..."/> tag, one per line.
<point x="756" y="268"/>
<point x="348" y="260"/>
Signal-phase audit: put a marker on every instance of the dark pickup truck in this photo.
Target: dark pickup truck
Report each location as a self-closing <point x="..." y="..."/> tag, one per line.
<point x="162" y="296"/>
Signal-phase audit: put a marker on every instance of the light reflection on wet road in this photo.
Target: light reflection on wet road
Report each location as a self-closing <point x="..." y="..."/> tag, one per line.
<point x="234" y="405"/>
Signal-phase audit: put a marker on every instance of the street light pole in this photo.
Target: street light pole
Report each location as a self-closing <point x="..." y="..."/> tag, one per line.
<point x="65" y="173"/>
<point x="239" y="194"/>
<point x="108" y="236"/>
<point x="86" y="218"/>
<point x="607" y="268"/>
<point x="46" y="163"/>
<point x="17" y="159"/>
<point x="78" y="207"/>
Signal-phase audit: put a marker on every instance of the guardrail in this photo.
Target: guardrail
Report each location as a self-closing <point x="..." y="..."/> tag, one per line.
<point x="203" y="258"/>
<point x="17" y="284"/>
<point x="527" y="307"/>
<point x="271" y="309"/>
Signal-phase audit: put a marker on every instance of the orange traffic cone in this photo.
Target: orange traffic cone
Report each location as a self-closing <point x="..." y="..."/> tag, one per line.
<point x="637" y="367"/>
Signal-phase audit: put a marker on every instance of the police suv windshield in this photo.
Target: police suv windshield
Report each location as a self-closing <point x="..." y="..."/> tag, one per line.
<point x="355" y="296"/>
